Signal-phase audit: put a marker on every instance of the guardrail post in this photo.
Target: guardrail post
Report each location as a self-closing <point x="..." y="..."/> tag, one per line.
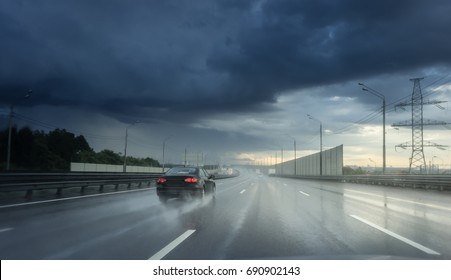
<point x="59" y="191"/>
<point x="82" y="190"/>
<point x="29" y="194"/>
<point x="129" y="186"/>
<point x="101" y="188"/>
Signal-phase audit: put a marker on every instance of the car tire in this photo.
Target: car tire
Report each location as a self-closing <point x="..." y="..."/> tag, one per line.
<point x="163" y="199"/>
<point x="202" y="193"/>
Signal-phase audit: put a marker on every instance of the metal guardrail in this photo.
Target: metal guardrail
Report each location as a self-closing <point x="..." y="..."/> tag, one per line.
<point x="30" y="182"/>
<point x="439" y="182"/>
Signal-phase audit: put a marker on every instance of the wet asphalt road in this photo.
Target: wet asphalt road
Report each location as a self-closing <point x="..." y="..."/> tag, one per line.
<point x="252" y="217"/>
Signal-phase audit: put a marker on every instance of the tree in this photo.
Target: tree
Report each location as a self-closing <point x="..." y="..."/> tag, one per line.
<point x="108" y="157"/>
<point x="45" y="160"/>
<point x="347" y="170"/>
<point x="53" y="151"/>
<point x="23" y="147"/>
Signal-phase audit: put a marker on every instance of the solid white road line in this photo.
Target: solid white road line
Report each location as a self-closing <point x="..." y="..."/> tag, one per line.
<point x="171" y="246"/>
<point x="72" y="198"/>
<point x="241" y="192"/>
<point x="397" y="236"/>
<point x="5" y="229"/>
<point x="306" y="194"/>
<point x="403" y="200"/>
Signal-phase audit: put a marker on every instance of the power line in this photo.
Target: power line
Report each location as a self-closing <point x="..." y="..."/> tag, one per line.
<point x="378" y="113"/>
<point x="425" y="94"/>
<point x="373" y="115"/>
<point x="143" y="144"/>
<point x="52" y="126"/>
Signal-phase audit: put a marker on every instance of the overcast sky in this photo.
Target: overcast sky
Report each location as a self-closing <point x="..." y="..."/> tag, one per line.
<point x="233" y="80"/>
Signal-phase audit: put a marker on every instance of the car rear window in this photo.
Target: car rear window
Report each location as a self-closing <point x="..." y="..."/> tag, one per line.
<point x="182" y="171"/>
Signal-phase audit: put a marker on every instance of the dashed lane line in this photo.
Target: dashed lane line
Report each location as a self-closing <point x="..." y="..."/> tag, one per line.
<point x="234" y="187"/>
<point x="306" y="194"/>
<point x="5" y="229"/>
<point x="171" y="246"/>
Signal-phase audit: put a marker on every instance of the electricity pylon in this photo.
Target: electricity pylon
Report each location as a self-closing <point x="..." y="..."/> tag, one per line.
<point x="417" y="123"/>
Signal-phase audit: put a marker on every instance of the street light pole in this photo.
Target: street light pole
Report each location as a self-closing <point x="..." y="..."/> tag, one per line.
<point x="275" y="161"/>
<point x="321" y="148"/>
<point x="8" y="157"/>
<point x="164" y="144"/>
<point x="294" y="139"/>
<point x="124" y="169"/>
<point x="281" y="160"/>
<point x="374" y="164"/>
<point x="320" y="143"/>
<point x="381" y="96"/>
<point x="11" y="115"/>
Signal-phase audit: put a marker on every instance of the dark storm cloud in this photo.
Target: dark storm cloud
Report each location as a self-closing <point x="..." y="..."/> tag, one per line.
<point x="297" y="44"/>
<point x="147" y="58"/>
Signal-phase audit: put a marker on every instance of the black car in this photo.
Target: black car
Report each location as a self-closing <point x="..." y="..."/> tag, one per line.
<point x="185" y="182"/>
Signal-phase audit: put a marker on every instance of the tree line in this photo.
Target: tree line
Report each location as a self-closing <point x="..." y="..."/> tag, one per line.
<point x="36" y="150"/>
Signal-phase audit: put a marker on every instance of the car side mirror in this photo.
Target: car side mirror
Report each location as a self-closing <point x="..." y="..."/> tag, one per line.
<point x="211" y="177"/>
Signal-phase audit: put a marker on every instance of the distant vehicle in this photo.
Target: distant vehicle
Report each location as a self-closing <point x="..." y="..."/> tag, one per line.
<point x="185" y="182"/>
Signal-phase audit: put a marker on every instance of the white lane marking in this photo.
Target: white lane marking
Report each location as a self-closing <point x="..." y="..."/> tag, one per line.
<point x="306" y="194"/>
<point x="233" y="187"/>
<point x="284" y="184"/>
<point x="403" y="200"/>
<point x="5" y="229"/>
<point x="397" y="236"/>
<point x="241" y="192"/>
<point x="171" y="246"/>
<point x="72" y="198"/>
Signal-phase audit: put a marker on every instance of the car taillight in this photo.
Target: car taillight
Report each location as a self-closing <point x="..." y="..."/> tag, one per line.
<point x="161" y="181"/>
<point x="191" y="180"/>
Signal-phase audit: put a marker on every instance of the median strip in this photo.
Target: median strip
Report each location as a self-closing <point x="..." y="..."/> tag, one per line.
<point x="397" y="236"/>
<point x="171" y="246"/>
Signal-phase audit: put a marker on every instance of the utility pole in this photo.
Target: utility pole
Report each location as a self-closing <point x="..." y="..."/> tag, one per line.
<point x="124" y="168"/>
<point x="10" y="126"/>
